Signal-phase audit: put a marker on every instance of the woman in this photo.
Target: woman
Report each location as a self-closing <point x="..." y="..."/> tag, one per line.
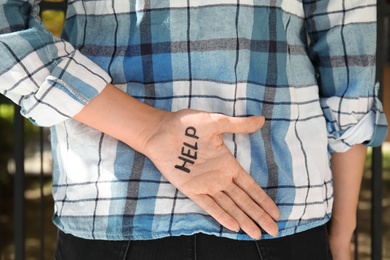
<point x="200" y="129"/>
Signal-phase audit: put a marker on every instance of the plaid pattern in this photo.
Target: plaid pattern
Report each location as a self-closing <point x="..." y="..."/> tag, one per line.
<point x="240" y="58"/>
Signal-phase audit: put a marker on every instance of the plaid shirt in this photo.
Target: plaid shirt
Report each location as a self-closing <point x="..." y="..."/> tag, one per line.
<point x="239" y="58"/>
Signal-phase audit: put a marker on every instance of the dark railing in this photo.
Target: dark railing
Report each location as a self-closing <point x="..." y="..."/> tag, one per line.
<point x="383" y="13"/>
<point x="19" y="223"/>
<point x="19" y="171"/>
<point x="53" y="5"/>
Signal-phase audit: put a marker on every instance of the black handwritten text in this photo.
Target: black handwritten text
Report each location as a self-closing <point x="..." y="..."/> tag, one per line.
<point x="189" y="152"/>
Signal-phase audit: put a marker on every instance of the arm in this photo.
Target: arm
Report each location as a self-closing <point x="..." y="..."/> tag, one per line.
<point x="342" y="48"/>
<point x="53" y="82"/>
<point x="347" y="171"/>
<point x="45" y="75"/>
<point x="207" y="172"/>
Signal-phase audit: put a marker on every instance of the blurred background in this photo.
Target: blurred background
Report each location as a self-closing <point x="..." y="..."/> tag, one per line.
<point x="26" y="206"/>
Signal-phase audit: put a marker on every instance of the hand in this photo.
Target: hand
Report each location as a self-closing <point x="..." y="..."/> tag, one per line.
<point x="188" y="149"/>
<point x="340" y="236"/>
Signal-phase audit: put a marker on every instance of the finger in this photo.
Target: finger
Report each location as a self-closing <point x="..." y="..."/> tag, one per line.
<point x="245" y="222"/>
<point x="252" y="188"/>
<point x="238" y="125"/>
<point x="252" y="209"/>
<point x="218" y="213"/>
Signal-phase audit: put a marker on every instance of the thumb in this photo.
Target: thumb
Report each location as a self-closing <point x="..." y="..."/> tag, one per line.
<point x="238" y="125"/>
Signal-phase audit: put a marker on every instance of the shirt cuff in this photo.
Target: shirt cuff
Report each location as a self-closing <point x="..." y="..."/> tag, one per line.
<point x="370" y="130"/>
<point x="73" y="83"/>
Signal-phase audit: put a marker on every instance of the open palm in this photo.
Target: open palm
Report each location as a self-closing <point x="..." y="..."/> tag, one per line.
<point x="189" y="151"/>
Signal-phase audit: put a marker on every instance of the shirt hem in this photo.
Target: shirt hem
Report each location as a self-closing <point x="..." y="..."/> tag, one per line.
<point x="159" y="235"/>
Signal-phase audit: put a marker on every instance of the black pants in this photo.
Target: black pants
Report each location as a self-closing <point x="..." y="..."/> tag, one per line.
<point x="309" y="245"/>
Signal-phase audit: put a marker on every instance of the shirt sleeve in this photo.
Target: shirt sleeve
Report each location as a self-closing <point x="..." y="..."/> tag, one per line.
<point x="342" y="46"/>
<point x="45" y="75"/>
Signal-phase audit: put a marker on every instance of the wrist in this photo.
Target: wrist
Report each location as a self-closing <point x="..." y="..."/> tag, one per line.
<point x="155" y="124"/>
<point x="123" y="117"/>
<point x="342" y="227"/>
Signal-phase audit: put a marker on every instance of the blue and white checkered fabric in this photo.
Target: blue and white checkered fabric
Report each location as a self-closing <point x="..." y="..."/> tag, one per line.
<point x="236" y="57"/>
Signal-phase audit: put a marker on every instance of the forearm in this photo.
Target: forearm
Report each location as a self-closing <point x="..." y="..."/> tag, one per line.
<point x="121" y="116"/>
<point x="55" y="81"/>
<point x="347" y="171"/>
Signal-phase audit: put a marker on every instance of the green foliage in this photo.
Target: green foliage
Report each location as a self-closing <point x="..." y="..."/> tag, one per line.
<point x="7" y="138"/>
<point x="6" y="112"/>
<point x="385" y="160"/>
<point x="54" y="21"/>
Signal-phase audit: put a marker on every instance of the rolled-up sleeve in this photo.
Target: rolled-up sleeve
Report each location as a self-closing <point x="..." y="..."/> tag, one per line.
<point x="46" y="76"/>
<point x="342" y="47"/>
